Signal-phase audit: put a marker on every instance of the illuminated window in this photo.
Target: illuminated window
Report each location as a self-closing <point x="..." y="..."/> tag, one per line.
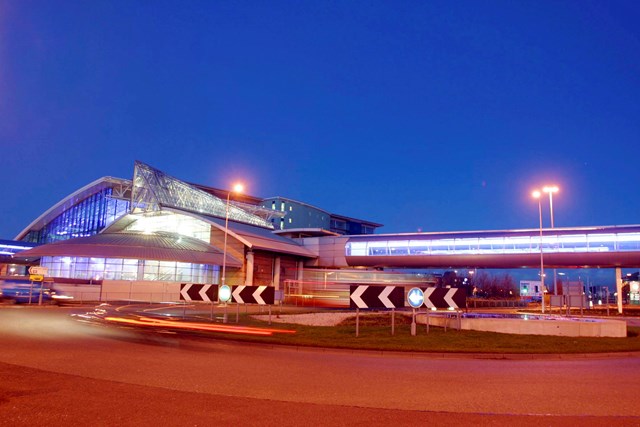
<point x="497" y="245"/>
<point x="86" y="218"/>
<point x="172" y="223"/>
<point x="129" y="269"/>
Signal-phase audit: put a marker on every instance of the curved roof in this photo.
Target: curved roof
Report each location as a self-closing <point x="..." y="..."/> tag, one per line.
<point x="156" y="246"/>
<point x="64" y="204"/>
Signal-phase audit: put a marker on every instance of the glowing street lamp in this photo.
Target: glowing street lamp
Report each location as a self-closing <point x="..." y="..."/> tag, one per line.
<point x="552" y="189"/>
<point x="536" y="195"/>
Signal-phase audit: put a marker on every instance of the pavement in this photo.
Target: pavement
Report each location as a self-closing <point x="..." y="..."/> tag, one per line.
<point x="57" y="371"/>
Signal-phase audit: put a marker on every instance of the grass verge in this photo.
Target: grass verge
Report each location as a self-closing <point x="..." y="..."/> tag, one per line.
<point x="375" y="334"/>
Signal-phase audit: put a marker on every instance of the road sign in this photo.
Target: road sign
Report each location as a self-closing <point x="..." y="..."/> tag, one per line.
<point x="263" y="295"/>
<point x="39" y="270"/>
<point x="36" y="277"/>
<point x="445" y="298"/>
<point x="370" y="296"/>
<point x="193" y="292"/>
<point x="224" y="293"/>
<point x="415" y="297"/>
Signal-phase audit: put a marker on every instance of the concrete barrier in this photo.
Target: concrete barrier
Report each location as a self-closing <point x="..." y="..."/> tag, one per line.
<point x="531" y="325"/>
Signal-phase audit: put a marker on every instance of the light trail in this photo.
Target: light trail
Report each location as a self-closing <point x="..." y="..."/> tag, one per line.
<point x="246" y="330"/>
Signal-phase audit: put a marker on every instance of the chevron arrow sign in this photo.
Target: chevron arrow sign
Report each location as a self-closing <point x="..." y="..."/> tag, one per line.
<point x="193" y="292"/>
<point x="263" y="295"/>
<point x="369" y="296"/>
<point x="445" y="298"/>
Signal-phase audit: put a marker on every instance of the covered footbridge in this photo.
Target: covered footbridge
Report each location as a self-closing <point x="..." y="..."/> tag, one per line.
<point x="580" y="247"/>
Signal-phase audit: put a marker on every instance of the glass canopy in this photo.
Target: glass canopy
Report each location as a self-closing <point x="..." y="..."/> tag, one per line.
<point x="154" y="190"/>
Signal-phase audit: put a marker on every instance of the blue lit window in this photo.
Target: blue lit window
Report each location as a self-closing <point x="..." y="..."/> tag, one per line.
<point x="86" y="218"/>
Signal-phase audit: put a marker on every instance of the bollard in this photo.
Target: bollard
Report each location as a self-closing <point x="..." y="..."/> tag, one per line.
<point x="393" y="321"/>
<point x="427" y="317"/>
<point x="413" y="323"/>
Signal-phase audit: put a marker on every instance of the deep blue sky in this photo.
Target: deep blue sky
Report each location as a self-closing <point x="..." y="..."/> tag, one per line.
<point x="432" y="115"/>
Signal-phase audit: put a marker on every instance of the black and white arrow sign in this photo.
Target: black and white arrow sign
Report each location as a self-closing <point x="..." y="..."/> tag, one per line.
<point x="193" y="292"/>
<point x="445" y="298"/>
<point x="263" y="295"/>
<point x="369" y="296"/>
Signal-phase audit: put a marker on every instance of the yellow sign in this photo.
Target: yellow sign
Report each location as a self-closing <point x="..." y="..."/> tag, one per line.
<point x="36" y="277"/>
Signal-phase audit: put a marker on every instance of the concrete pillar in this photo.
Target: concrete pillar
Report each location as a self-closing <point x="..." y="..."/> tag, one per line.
<point x="619" y="289"/>
<point x="276" y="273"/>
<point x="300" y="271"/>
<point x="248" y="281"/>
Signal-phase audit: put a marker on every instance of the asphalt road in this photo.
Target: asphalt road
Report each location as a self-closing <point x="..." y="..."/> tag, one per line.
<point x="56" y="371"/>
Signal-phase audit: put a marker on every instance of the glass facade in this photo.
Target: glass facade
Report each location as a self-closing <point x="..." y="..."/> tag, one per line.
<point x="129" y="269"/>
<point x="85" y="218"/>
<point x="153" y="190"/>
<point x="172" y="223"/>
<point x="569" y="243"/>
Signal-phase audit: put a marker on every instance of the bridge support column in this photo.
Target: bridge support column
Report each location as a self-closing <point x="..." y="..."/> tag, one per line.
<point x="276" y="273"/>
<point x="300" y="272"/>
<point x="619" y="289"/>
<point x="248" y="281"/>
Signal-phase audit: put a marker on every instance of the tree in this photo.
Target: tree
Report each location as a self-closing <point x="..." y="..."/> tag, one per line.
<point x="450" y="279"/>
<point x="489" y="286"/>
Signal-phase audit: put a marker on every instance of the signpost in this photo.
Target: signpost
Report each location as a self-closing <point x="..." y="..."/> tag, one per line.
<point x="195" y="292"/>
<point x="434" y="298"/>
<point x="36" y="274"/>
<point x="371" y="296"/>
<point x="415" y="298"/>
<point x="455" y="298"/>
<point x="224" y="294"/>
<point x="262" y="295"/>
<point x="44" y="271"/>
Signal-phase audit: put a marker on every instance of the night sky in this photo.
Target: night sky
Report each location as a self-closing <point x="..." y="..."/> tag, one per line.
<point x="425" y="115"/>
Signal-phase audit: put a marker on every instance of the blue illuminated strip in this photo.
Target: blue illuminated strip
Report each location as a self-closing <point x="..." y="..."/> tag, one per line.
<point x="20" y="248"/>
<point x="569" y="243"/>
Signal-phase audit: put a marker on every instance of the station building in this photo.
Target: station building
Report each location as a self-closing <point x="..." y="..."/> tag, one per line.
<point x="148" y="234"/>
<point x="155" y="231"/>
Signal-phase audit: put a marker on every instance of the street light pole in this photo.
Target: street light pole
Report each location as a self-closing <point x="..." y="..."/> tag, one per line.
<point x="536" y="194"/>
<point x="552" y="189"/>
<point x="238" y="189"/>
